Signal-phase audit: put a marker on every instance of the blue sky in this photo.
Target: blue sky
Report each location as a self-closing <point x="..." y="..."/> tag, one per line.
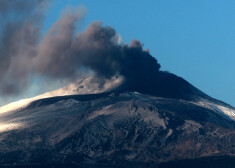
<point x="193" y="39"/>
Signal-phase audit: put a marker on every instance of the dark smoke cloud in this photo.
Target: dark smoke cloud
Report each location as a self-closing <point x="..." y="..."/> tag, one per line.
<point x="64" y="51"/>
<point x="97" y="48"/>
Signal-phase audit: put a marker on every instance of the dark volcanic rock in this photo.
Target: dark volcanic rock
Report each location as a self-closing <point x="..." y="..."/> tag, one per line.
<point x="115" y="130"/>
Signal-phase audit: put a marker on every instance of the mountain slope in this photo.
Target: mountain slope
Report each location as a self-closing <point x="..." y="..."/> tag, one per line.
<point x="106" y="128"/>
<point x="117" y="128"/>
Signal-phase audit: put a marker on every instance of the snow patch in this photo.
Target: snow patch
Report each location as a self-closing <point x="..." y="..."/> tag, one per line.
<point x="9" y="126"/>
<point x="222" y="110"/>
<point x="105" y="111"/>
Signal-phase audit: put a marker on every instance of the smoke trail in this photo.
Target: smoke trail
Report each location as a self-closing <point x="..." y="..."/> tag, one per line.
<point x="19" y="33"/>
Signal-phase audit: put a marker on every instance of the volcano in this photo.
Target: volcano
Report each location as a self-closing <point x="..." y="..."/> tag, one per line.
<point x="168" y="123"/>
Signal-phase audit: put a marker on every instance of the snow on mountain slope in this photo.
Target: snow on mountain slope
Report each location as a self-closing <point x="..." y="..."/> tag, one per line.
<point x="87" y="86"/>
<point x="112" y="127"/>
<point x="220" y="108"/>
<point x="82" y="86"/>
<point x="88" y="122"/>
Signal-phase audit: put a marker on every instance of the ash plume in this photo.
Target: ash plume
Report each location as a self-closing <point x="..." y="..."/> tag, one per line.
<point x="20" y="22"/>
<point x="62" y="55"/>
<point x="65" y="51"/>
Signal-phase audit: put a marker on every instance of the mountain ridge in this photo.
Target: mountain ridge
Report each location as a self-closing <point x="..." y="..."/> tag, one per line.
<point x="117" y="128"/>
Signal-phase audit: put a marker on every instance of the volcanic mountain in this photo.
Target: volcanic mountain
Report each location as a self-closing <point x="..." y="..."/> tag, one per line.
<point x="168" y="124"/>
